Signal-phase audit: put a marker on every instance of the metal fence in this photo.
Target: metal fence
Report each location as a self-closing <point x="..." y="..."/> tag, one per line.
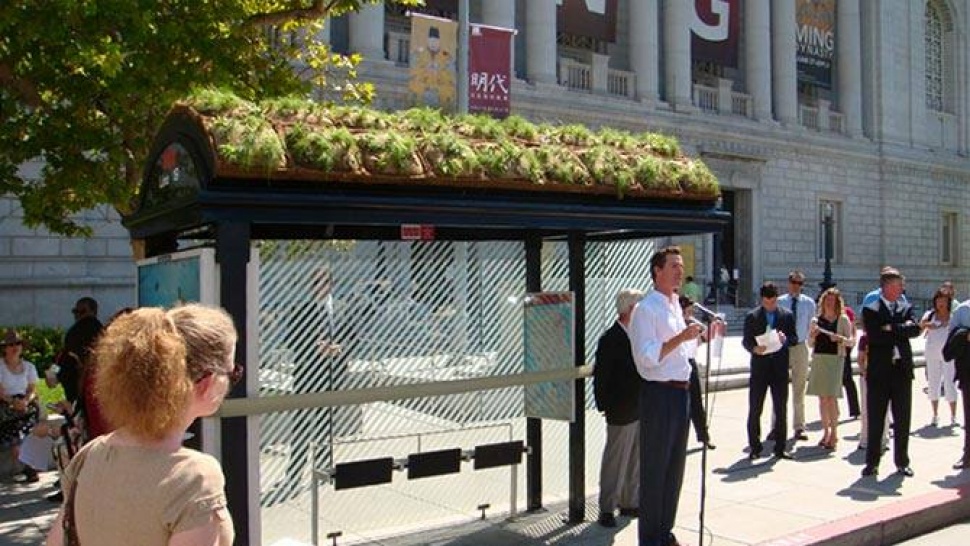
<point x="350" y="315"/>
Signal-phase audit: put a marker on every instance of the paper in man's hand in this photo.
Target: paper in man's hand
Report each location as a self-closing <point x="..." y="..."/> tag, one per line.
<point x="769" y="340"/>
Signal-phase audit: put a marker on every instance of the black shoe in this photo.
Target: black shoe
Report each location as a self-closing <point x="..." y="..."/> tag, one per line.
<point x="962" y="464"/>
<point x="800" y="435"/>
<point x="607" y="519"/>
<point x="56" y="496"/>
<point x="710" y="445"/>
<point x="754" y="453"/>
<point x="30" y="475"/>
<point x="905" y="471"/>
<point x="784" y="455"/>
<point x="870" y="471"/>
<point x="630" y="512"/>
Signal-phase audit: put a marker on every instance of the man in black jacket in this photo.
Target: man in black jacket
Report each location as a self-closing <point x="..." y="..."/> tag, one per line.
<point x="769" y="369"/>
<point x="957" y="349"/>
<point x="889" y="325"/>
<point x="616" y="388"/>
<point x="78" y="341"/>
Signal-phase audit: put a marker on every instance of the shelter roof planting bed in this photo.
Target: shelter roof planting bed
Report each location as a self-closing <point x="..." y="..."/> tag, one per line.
<point x="297" y="139"/>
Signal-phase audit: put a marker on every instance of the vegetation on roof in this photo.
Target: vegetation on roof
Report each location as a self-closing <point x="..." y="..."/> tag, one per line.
<point x="280" y="136"/>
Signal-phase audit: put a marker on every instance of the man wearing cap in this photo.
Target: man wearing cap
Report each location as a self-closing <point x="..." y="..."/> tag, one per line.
<point x="802" y="309"/>
<point x="616" y="388"/>
<point x="78" y="341"/>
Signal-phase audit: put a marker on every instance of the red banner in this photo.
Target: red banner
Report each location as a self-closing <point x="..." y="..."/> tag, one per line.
<point x="716" y="26"/>
<point x="595" y="20"/>
<point x="489" y="70"/>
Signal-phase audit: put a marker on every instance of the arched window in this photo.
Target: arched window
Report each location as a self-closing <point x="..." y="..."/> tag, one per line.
<point x="938" y="31"/>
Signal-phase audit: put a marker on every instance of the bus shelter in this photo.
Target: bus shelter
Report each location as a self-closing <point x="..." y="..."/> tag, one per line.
<point x="247" y="183"/>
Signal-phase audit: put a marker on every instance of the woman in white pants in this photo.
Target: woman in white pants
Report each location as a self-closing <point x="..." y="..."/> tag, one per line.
<point x="939" y="373"/>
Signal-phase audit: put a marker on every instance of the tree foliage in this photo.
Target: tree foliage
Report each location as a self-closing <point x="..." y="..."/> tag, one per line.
<point x="84" y="84"/>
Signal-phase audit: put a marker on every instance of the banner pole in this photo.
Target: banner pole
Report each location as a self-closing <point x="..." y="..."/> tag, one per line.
<point x="463" y="24"/>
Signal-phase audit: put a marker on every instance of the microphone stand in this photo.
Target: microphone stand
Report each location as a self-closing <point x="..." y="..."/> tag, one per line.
<point x="712" y="319"/>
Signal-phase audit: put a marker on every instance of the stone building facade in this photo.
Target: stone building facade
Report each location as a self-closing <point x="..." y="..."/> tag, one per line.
<point x="883" y="148"/>
<point x="42" y="275"/>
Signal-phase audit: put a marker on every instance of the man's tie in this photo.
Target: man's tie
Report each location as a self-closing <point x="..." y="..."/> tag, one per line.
<point x="794" y="317"/>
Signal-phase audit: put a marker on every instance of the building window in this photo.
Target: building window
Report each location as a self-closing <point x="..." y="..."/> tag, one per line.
<point x="938" y="29"/>
<point x="948" y="238"/>
<point x="829" y="211"/>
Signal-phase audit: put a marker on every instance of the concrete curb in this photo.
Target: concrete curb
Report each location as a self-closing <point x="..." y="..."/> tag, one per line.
<point x="887" y="525"/>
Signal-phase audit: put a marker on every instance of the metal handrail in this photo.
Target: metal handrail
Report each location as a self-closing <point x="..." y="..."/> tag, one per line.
<point x="239" y="407"/>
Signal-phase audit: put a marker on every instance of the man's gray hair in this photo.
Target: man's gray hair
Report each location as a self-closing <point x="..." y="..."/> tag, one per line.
<point x="626" y="299"/>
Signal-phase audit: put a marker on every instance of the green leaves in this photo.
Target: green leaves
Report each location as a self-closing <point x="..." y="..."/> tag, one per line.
<point x="85" y="85"/>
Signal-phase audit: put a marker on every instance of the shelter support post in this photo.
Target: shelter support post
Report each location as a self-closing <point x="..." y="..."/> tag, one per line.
<point x="232" y="255"/>
<point x="533" y="283"/>
<point x="577" y="429"/>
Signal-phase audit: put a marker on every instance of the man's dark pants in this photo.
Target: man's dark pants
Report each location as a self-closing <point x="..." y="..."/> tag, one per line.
<point x="890" y="387"/>
<point x="698" y="416"/>
<point x="664" y="422"/>
<point x="848" y="383"/>
<point x="965" y="394"/>
<point x="765" y="375"/>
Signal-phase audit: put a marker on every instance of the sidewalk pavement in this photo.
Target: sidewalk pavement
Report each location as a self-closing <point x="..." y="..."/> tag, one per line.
<point x="818" y="498"/>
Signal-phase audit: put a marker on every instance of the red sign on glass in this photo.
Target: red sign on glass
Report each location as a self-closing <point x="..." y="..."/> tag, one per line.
<point x="417" y="232"/>
<point x="489" y="70"/>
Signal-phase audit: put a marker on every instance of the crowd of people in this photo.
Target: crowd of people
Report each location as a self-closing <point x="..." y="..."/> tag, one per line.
<point x="132" y="388"/>
<point x="645" y="380"/>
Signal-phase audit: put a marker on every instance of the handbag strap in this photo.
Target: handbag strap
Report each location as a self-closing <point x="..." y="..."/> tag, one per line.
<point x="70" y="525"/>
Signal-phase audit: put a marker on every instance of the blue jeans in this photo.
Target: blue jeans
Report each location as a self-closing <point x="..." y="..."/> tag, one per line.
<point x="664" y="421"/>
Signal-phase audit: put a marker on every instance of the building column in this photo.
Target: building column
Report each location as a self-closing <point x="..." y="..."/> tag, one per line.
<point x="784" y="75"/>
<point x="644" y="47"/>
<point x="540" y="41"/>
<point x="501" y="13"/>
<point x="367" y="32"/>
<point x="849" y="51"/>
<point x="677" y="77"/>
<point x="757" y="56"/>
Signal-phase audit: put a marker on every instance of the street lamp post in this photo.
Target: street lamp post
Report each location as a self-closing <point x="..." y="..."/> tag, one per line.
<point x="828" y="213"/>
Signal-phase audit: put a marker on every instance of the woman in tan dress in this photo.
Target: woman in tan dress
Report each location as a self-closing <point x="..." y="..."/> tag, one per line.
<point x="829" y="334"/>
<point x="157" y="371"/>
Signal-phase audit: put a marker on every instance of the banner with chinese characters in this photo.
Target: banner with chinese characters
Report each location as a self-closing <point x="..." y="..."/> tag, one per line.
<point x="816" y="42"/>
<point x="489" y="70"/>
<point x="716" y="31"/>
<point x="434" y="42"/>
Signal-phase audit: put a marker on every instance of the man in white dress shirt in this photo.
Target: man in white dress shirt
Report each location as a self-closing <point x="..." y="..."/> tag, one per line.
<point x="658" y="335"/>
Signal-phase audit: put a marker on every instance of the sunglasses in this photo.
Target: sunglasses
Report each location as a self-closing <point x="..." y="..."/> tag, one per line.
<point x="799" y="283"/>
<point x="235" y="375"/>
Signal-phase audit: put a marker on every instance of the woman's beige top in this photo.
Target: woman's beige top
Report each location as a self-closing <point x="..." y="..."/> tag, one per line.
<point x="129" y="495"/>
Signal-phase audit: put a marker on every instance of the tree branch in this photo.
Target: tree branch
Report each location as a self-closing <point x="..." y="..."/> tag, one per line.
<point x="25" y="89"/>
<point x="319" y="9"/>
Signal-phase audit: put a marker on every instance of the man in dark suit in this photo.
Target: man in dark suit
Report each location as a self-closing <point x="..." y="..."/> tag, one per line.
<point x="616" y="389"/>
<point x="889" y="325"/>
<point x="78" y="341"/>
<point x="769" y="369"/>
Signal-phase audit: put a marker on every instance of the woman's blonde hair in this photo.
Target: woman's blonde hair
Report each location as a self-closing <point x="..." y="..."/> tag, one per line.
<point x="839" y="304"/>
<point x="148" y="361"/>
